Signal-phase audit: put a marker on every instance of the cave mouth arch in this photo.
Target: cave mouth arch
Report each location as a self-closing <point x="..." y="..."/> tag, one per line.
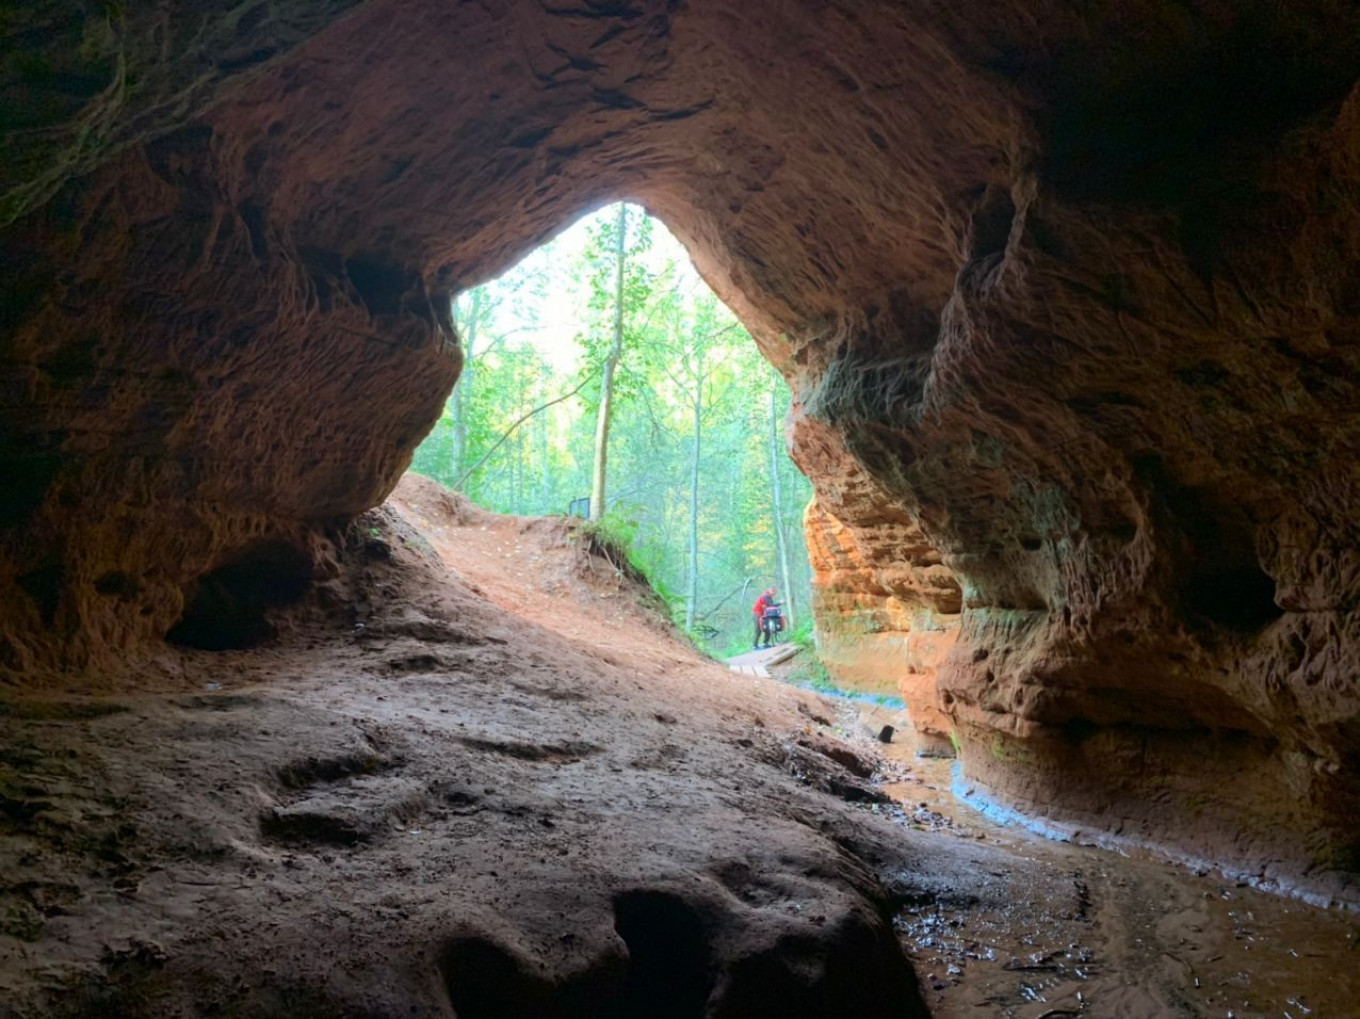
<point x="234" y="329"/>
<point x="700" y="494"/>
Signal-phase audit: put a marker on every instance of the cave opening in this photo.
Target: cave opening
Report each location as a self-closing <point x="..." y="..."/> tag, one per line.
<point x="700" y="494"/>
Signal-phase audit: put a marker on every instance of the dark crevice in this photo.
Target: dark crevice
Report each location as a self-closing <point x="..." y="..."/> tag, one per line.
<point x="379" y="286"/>
<point x="1186" y="117"/>
<point x="227" y="609"/>
<point x="1220" y="577"/>
<point x="314" y="828"/>
<point x="310" y="771"/>
<point x="117" y="584"/>
<point x="44" y="586"/>
<point x="846" y="975"/>
<point x="669" y="974"/>
<point x="991" y="227"/>
<point x="252" y="215"/>
<point x="485" y="981"/>
<point x="28" y="476"/>
<point x="249" y="58"/>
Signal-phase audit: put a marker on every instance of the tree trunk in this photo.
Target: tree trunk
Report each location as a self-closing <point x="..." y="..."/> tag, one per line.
<point x="778" y="500"/>
<point x="692" y="596"/>
<point x="542" y="455"/>
<point x="597" y="486"/>
<point x="462" y="390"/>
<point x="505" y="436"/>
<point x="518" y="502"/>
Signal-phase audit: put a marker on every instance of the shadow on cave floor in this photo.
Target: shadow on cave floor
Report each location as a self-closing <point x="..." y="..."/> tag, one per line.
<point x="491" y="791"/>
<point x="1105" y="933"/>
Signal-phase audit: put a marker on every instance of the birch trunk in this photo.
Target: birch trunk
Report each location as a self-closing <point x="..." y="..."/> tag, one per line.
<point x="462" y="389"/>
<point x="778" y="500"/>
<point x="597" y="486"/>
<point x="692" y="595"/>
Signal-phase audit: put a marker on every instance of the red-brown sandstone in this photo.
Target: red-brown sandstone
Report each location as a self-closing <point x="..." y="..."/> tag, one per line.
<point x="1067" y="296"/>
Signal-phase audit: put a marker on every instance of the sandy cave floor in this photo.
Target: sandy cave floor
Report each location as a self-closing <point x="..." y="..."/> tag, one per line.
<point x="499" y="788"/>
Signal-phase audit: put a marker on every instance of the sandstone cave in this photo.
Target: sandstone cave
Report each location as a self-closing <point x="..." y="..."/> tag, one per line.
<point x="1068" y="299"/>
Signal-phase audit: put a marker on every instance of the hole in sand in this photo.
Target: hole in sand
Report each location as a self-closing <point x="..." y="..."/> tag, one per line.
<point x="226" y="610"/>
<point x="668" y="973"/>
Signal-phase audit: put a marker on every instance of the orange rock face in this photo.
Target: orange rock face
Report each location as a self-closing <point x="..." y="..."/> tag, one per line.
<point x="1068" y="299"/>
<point x="887" y="609"/>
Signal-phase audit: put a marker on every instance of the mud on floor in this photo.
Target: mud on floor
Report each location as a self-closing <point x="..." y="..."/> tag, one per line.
<point x="1064" y="930"/>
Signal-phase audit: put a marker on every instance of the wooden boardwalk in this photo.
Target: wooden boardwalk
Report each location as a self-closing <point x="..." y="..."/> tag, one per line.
<point x="756" y="663"/>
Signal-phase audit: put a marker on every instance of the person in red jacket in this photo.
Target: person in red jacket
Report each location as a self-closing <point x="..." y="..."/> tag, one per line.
<point x="758" y="610"/>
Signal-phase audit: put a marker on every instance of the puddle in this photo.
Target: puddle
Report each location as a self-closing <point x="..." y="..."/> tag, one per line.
<point x="1068" y="930"/>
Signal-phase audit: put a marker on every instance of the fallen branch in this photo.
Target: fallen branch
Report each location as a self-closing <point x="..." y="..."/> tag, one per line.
<point x="458" y="485"/>
<point x="744" y="585"/>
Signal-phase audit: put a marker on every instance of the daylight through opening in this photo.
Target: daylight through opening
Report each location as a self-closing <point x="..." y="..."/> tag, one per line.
<point x="690" y="472"/>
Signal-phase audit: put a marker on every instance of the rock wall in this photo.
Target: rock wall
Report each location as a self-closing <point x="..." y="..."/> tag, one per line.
<point x="886" y="607"/>
<point x="1067" y="295"/>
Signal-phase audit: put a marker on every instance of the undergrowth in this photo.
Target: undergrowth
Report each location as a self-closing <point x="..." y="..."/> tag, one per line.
<point x="736" y="646"/>
<point x="802" y="636"/>
<point x="614" y="538"/>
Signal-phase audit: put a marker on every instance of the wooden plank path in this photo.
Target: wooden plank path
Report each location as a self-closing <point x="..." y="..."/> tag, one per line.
<point x="756" y="663"/>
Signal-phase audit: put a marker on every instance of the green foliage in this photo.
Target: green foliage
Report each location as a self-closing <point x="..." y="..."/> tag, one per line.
<point x="597" y="274"/>
<point x="620" y="537"/>
<point x="735" y="646"/>
<point x="617" y="530"/>
<point x="685" y="356"/>
<point x="612" y="536"/>
<point x="814" y="675"/>
<point x="802" y="635"/>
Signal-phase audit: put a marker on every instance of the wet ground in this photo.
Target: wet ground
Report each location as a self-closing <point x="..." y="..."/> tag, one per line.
<point x="1100" y="934"/>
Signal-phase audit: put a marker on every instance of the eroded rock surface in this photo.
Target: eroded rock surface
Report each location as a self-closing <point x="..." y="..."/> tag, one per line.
<point x="1067" y="297"/>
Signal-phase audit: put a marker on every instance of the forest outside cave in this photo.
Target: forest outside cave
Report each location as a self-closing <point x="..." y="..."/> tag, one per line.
<point x="699" y="486"/>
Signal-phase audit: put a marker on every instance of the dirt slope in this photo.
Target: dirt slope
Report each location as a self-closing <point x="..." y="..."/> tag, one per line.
<point x="436" y="794"/>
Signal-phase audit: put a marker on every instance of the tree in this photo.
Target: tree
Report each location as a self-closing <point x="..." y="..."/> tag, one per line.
<point x="468" y="322"/>
<point x="620" y="290"/>
<point x="694" y="340"/>
<point x="776" y="498"/>
<point x="611" y="362"/>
